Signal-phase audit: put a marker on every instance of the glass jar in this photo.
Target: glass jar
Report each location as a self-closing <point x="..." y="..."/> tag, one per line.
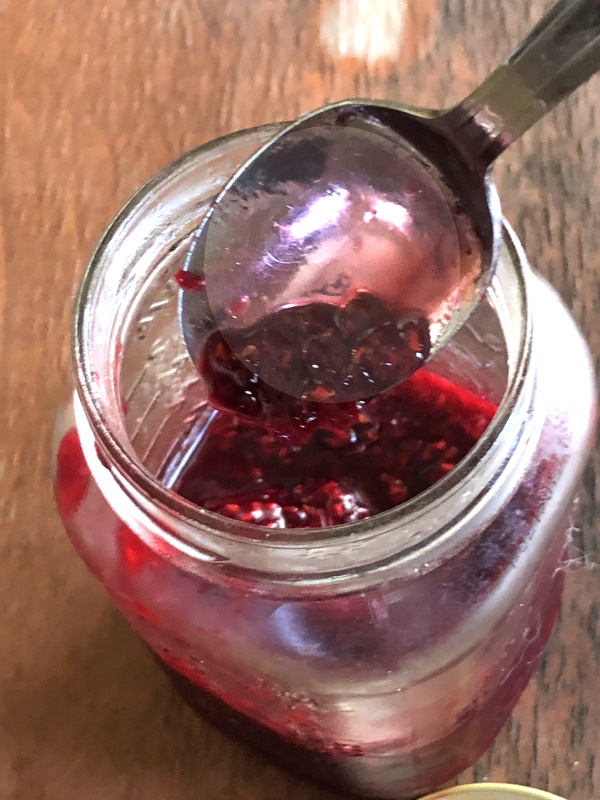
<point x="383" y="656"/>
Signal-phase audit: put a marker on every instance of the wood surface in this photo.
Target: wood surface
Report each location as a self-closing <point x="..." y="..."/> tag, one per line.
<point x="94" y="98"/>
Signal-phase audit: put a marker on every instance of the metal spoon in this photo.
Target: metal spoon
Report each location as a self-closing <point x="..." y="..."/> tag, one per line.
<point x="378" y="197"/>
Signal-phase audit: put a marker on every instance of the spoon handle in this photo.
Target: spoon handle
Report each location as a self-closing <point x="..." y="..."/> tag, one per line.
<point x="561" y="52"/>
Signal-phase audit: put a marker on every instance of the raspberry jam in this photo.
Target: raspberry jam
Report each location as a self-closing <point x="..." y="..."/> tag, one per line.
<point x="294" y="460"/>
<point x="333" y="464"/>
<point x="318" y="352"/>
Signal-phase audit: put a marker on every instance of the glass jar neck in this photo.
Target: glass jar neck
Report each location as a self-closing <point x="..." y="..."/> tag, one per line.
<point x="413" y="536"/>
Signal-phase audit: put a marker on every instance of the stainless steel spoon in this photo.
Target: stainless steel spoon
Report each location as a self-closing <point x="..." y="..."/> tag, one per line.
<point x="381" y="197"/>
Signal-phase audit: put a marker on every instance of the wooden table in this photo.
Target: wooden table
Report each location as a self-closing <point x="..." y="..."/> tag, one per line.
<point x="100" y="95"/>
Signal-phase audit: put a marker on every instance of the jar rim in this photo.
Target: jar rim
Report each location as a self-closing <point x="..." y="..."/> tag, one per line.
<point x="201" y="530"/>
<point x="492" y="791"/>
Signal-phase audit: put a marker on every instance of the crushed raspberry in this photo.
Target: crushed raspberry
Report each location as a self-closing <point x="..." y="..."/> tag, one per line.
<point x="311" y="504"/>
<point x="317" y="352"/>
<point x="72" y="475"/>
<point x="328" y="464"/>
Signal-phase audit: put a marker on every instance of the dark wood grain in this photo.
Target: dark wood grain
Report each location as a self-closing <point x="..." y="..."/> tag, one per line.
<point x="95" y="98"/>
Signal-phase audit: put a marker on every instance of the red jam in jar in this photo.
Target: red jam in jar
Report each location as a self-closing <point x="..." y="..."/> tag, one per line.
<point x="336" y="463"/>
<point x="289" y="460"/>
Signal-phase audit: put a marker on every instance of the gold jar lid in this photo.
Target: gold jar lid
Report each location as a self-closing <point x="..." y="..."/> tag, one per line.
<point x="492" y="791"/>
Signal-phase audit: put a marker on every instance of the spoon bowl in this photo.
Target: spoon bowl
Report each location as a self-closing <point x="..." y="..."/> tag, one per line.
<point x="374" y="199"/>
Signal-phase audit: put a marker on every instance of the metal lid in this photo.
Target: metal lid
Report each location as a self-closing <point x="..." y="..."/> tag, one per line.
<point x="492" y="791"/>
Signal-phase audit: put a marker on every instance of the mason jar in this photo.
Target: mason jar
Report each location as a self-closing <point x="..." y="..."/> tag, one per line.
<point x="381" y="656"/>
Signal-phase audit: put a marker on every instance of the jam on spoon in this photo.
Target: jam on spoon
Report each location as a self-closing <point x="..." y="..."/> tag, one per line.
<point x="367" y="344"/>
<point x="295" y="460"/>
